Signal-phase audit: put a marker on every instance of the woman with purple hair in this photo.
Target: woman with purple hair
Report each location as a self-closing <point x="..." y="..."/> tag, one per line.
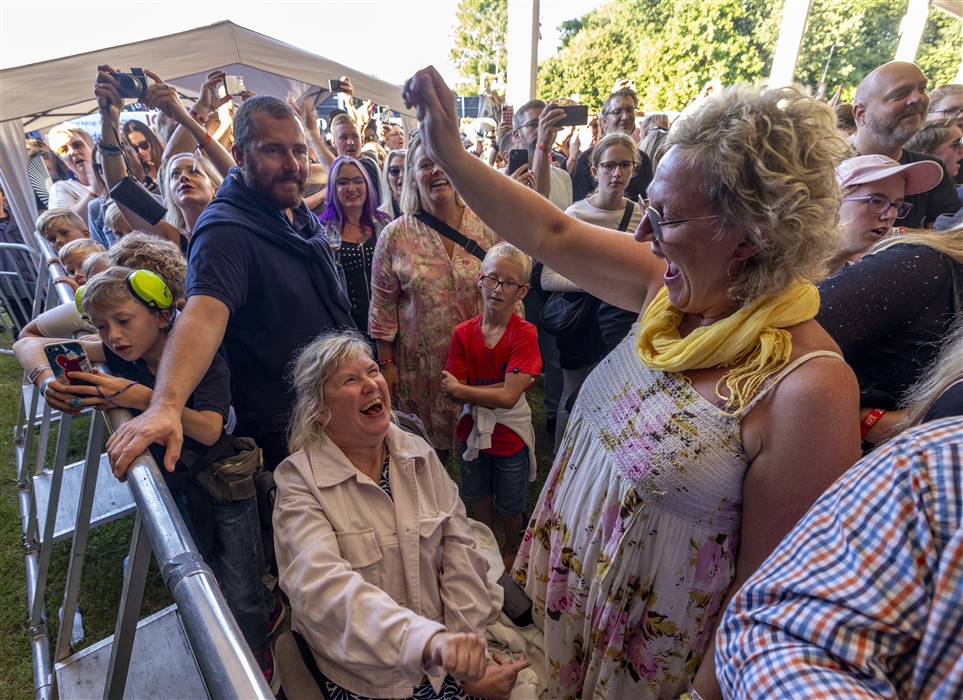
<point x="352" y="222"/>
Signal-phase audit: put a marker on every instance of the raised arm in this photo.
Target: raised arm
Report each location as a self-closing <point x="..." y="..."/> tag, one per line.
<point x="605" y="263"/>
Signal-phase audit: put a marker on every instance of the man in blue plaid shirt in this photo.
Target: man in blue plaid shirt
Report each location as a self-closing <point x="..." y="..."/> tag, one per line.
<point x="864" y="598"/>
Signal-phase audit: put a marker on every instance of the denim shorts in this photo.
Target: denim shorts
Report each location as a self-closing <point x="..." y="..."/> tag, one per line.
<point x="504" y="477"/>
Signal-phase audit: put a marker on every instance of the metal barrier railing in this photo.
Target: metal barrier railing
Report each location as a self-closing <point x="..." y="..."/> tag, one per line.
<point x="226" y="663"/>
<point x="21" y="289"/>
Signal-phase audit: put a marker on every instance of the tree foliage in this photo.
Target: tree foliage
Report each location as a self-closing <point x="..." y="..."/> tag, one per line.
<point x="671" y="48"/>
<point x="481" y="38"/>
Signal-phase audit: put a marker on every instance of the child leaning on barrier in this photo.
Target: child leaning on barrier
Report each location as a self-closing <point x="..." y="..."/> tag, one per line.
<point x="60" y="226"/>
<point x="133" y="311"/>
<point x="73" y="255"/>
<point x="492" y="362"/>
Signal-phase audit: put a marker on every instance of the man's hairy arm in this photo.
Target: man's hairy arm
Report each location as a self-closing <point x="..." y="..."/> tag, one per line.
<point x="197" y="334"/>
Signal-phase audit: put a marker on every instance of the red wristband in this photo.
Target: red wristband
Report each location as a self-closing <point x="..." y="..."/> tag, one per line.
<point x="541" y="147"/>
<point x="389" y="361"/>
<point x="207" y="140"/>
<point x="870" y="420"/>
<point x="197" y="116"/>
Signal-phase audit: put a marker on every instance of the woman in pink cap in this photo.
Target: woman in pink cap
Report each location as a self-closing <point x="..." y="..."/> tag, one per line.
<point x="873" y="190"/>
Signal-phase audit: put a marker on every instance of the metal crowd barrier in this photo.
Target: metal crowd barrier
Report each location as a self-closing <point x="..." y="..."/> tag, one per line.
<point x="150" y="658"/>
<point x="22" y="290"/>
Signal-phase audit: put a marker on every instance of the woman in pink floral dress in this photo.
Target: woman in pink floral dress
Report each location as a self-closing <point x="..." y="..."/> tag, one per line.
<point x="423" y="285"/>
<point x="700" y="441"/>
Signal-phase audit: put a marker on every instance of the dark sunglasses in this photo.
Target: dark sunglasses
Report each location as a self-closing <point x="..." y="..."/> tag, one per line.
<point x="394" y="171"/>
<point x="143" y="145"/>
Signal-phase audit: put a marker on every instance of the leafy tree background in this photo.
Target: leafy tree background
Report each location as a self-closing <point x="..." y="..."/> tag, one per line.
<point x="671" y="48"/>
<point x="481" y="40"/>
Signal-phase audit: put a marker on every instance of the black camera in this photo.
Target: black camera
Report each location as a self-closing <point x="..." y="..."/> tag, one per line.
<point x="133" y="85"/>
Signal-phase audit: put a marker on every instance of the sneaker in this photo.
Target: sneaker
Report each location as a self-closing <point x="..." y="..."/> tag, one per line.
<point x="277" y="616"/>
<point x="264" y="656"/>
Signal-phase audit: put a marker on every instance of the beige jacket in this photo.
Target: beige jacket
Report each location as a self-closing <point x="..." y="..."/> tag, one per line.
<point x="370" y="582"/>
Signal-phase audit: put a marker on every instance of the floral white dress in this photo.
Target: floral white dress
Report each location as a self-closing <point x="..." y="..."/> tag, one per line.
<point x="633" y="546"/>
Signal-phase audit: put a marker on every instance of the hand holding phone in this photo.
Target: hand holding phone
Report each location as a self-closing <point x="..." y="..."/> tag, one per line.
<point x="67" y="357"/>
<point x="517" y="157"/>
<point x="234" y="85"/>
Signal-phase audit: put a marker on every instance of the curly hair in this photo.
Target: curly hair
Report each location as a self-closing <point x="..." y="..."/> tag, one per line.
<point x="174" y="216"/>
<point x="145" y="251"/>
<point x="768" y="158"/>
<point x="410" y="197"/>
<point x="314" y="365"/>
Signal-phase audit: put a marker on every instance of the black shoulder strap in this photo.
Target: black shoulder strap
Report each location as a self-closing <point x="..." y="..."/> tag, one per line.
<point x="627" y="216"/>
<point x="451" y="234"/>
<point x="214" y="453"/>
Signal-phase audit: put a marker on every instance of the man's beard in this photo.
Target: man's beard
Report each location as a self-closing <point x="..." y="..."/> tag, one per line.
<point x="893" y="136"/>
<point x="266" y="189"/>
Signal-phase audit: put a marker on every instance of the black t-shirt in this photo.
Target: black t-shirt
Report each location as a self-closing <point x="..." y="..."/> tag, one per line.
<point x="928" y="205"/>
<point x="888" y="313"/>
<point x="213" y="393"/>
<point x="583" y="184"/>
<point x="275" y="309"/>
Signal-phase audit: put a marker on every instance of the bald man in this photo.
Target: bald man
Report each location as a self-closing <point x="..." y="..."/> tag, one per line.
<point x="890" y="107"/>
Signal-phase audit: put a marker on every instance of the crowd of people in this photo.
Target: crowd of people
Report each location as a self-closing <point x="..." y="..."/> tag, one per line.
<point x="727" y="308"/>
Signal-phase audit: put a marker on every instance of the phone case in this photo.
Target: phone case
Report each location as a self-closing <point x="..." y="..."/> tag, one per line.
<point x="66" y="357"/>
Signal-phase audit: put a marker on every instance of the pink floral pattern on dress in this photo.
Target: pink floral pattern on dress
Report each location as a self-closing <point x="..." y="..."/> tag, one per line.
<point x="418" y="297"/>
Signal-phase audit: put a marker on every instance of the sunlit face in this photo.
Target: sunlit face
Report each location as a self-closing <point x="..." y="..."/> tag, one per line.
<point x="129" y="329"/>
<point x="433" y="185"/>
<point x="73" y="151"/>
<point x="141" y="144"/>
<point x="189" y="185"/>
<point x="357" y="409"/>
<point x="527" y="134"/>
<point x="951" y="151"/>
<point x="615" y="170"/>
<point x="697" y="255"/>
<point x="347" y="140"/>
<point x="72" y="267"/>
<point x="396" y="175"/>
<point x="861" y="228"/>
<point x="395" y="140"/>
<point x="896" y="109"/>
<point x="351" y="187"/>
<point x="951" y="103"/>
<point x="275" y="162"/>
<point x="619" y="116"/>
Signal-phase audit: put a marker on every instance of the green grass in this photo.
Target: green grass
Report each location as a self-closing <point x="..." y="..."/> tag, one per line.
<point x="103" y="575"/>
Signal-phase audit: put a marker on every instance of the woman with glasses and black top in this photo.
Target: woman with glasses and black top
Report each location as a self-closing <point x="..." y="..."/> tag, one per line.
<point x="614" y="162"/>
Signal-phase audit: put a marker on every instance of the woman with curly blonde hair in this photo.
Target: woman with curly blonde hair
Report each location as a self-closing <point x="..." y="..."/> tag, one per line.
<point x="691" y="449"/>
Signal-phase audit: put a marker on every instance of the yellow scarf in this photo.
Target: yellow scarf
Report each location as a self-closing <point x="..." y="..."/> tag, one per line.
<point x="751" y="338"/>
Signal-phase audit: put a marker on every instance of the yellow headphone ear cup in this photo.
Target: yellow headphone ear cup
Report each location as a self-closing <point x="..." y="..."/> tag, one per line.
<point x="150" y="289"/>
<point x="78" y="295"/>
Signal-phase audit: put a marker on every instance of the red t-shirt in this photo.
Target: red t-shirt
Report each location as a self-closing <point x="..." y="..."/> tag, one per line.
<point x="469" y="358"/>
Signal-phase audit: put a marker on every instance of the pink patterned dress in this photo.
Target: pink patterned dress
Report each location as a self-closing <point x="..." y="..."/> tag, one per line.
<point x="633" y="546"/>
<point x="418" y="297"/>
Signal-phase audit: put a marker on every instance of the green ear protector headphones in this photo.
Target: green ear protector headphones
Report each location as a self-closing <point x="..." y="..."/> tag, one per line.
<point x="146" y="287"/>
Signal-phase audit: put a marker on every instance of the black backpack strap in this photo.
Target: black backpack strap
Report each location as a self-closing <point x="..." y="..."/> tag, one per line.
<point x="451" y="234"/>
<point x="214" y="453"/>
<point x="627" y="216"/>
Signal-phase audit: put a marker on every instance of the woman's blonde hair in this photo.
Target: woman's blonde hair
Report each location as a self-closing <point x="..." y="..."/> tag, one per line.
<point x="174" y="216"/>
<point x="768" y="158"/>
<point x="140" y="250"/>
<point x="314" y="365"/>
<point x="949" y="242"/>
<point x="386" y="195"/>
<point x="410" y="198"/>
<point x="945" y="370"/>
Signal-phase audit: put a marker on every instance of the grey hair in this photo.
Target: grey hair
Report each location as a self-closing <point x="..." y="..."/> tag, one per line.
<point x="518" y="121"/>
<point x="311" y="368"/>
<point x="244" y="118"/>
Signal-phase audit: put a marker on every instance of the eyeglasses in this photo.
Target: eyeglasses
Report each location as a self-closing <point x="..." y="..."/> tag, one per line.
<point x="656" y="222"/>
<point x="951" y="112"/>
<point x="624" y="112"/>
<point x="530" y="125"/>
<point x="142" y="146"/>
<point x="609" y="168"/>
<point x="344" y="181"/>
<point x="492" y="283"/>
<point x="881" y="205"/>
<point x="394" y="171"/>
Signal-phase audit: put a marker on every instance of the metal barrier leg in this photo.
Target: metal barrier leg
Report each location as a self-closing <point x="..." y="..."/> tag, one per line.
<point x="27" y="437"/>
<point x="135" y="577"/>
<point x="95" y="444"/>
<point x="53" y="506"/>
<point x="44" y="438"/>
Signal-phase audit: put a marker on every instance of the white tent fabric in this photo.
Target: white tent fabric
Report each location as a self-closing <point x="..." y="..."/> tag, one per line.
<point x="41" y="95"/>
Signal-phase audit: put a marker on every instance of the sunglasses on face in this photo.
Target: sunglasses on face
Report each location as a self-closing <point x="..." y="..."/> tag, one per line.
<point x="394" y="171"/>
<point x="142" y="146"/>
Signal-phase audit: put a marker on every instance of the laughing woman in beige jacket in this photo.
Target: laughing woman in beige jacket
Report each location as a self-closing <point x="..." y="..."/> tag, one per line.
<point x="373" y="545"/>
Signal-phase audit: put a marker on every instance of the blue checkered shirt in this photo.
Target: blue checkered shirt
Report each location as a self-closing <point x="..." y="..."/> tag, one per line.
<point x="864" y="598"/>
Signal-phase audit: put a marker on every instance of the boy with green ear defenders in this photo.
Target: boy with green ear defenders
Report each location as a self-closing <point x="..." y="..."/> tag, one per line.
<point x="132" y="311"/>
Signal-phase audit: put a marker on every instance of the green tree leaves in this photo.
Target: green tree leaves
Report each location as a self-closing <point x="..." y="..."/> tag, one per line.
<point x="481" y="38"/>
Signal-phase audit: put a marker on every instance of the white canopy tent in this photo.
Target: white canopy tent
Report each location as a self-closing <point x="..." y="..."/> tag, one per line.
<point x="41" y="95"/>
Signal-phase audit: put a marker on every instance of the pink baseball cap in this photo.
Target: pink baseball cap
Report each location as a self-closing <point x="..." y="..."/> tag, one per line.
<point x="921" y="176"/>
